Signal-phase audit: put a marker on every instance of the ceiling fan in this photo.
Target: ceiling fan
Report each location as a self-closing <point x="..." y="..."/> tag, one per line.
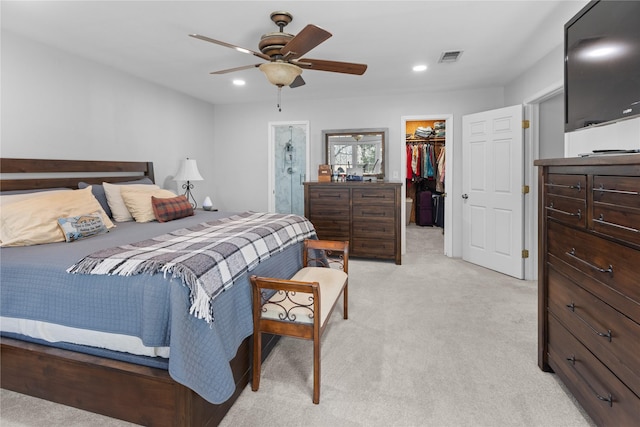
<point x="284" y="52"/>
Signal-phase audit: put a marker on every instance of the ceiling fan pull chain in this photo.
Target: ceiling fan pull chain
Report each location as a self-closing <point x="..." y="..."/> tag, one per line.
<point x="279" y="98"/>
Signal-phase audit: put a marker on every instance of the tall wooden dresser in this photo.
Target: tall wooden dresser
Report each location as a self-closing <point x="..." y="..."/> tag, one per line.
<point x="589" y="282"/>
<point x="366" y="214"/>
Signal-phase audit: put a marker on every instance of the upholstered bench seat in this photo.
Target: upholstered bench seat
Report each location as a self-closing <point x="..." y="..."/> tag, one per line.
<point x="298" y="306"/>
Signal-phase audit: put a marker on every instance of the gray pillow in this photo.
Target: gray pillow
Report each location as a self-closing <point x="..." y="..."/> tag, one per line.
<point x="98" y="192"/>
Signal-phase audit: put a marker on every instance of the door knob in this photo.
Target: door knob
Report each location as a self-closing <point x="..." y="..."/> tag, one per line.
<point x="465" y="196"/>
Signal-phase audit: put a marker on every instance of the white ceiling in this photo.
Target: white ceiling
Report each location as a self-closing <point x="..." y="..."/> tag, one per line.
<point x="149" y="39"/>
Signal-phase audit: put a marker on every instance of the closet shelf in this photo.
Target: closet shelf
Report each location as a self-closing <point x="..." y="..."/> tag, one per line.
<point x="438" y="140"/>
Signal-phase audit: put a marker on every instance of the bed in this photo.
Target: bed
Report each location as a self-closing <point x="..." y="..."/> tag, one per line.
<point x="206" y="359"/>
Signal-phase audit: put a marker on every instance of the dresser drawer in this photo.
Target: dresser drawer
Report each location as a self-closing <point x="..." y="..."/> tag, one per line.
<point x="607" y="400"/>
<point x="381" y="229"/>
<point x="372" y="213"/>
<point x="617" y="190"/>
<point x="605" y="267"/>
<point x="616" y="207"/>
<point x="609" y="335"/>
<point x="374" y="196"/>
<point x="567" y="210"/>
<point x="373" y="248"/>
<point x="329" y="196"/>
<point x="567" y="185"/>
<point x="330" y="229"/>
<point x="621" y="223"/>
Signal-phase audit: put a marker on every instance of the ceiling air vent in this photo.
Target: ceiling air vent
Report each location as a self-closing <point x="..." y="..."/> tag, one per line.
<point x="450" y="56"/>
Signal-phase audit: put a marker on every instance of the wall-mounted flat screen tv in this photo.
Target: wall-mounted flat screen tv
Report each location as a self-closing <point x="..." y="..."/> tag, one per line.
<point x="602" y="64"/>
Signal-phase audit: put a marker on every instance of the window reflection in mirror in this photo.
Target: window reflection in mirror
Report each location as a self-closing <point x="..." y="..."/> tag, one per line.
<point x="356" y="151"/>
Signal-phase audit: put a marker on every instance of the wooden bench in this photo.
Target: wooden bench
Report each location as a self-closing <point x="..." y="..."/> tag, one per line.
<point x="291" y="307"/>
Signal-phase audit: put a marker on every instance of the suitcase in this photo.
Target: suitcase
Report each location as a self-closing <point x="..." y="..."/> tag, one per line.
<point x="424" y="209"/>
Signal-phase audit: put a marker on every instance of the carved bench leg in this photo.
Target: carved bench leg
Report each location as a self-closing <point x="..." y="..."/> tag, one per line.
<point x="316" y="369"/>
<point x="345" y="302"/>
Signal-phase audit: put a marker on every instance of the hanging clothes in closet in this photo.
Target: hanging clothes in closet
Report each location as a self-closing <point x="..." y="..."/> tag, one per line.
<point x="422" y="162"/>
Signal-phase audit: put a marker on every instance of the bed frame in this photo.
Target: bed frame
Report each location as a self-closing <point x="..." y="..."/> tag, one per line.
<point x="134" y="393"/>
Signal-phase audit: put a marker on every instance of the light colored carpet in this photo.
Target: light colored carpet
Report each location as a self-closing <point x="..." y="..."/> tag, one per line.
<point x="433" y="342"/>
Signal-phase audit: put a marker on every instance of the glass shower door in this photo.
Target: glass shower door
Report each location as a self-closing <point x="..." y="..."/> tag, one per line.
<point x="290" y="168"/>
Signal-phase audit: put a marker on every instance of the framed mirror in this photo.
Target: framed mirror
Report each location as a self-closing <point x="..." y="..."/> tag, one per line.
<point x="356" y="151"/>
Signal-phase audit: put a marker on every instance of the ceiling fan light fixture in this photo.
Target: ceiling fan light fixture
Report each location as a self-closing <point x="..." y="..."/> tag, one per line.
<point x="280" y="73"/>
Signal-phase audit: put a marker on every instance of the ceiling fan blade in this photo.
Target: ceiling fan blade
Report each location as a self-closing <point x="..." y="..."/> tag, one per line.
<point x="333" y="66"/>
<point x="231" y="70"/>
<point x="310" y="37"/>
<point x="299" y="81"/>
<point x="225" y="44"/>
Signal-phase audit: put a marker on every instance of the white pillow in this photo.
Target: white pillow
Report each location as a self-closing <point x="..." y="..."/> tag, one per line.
<point x="138" y="201"/>
<point x="34" y="221"/>
<point x="6" y="199"/>
<point x="116" y="203"/>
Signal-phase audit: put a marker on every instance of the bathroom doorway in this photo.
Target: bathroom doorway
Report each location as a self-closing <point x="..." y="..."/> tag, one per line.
<point x="288" y="166"/>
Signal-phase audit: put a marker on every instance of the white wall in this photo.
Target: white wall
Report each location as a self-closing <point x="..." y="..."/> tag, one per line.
<point x="623" y="135"/>
<point x="552" y="127"/>
<point x="57" y="105"/>
<point x="544" y="74"/>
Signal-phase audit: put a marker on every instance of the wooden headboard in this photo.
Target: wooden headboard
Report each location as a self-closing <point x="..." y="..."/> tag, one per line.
<point x="49" y="173"/>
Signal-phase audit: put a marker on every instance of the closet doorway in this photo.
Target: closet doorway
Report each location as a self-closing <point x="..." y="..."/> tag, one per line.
<point x="427" y="150"/>
<point x="288" y="166"/>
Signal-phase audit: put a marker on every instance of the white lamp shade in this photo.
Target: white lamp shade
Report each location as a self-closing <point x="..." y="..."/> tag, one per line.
<point x="188" y="171"/>
<point x="280" y="73"/>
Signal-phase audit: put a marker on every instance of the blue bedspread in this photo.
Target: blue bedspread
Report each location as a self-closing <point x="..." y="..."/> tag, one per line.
<point x="35" y="285"/>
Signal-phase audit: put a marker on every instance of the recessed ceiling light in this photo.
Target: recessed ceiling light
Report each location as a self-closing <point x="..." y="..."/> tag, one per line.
<point x="419" y="68"/>
<point x="239" y="82"/>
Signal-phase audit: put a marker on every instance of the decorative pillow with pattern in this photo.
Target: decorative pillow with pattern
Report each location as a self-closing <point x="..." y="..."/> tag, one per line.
<point x="82" y="226"/>
<point x="170" y="209"/>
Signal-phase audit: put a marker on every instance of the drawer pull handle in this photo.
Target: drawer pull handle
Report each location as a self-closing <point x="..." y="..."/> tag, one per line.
<point x="365" y="213"/>
<point x="595" y="267"/>
<point x="607" y="335"/>
<point x="573" y="187"/>
<point x="601" y="220"/>
<point x="608" y="399"/>
<point x="373" y="196"/>
<point x="551" y="208"/>
<point x="607" y="190"/>
<point x="329" y="196"/>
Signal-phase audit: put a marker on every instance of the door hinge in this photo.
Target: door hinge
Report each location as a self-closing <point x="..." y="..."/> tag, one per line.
<point x="525" y="189"/>
<point x="525" y="253"/>
<point x="525" y="124"/>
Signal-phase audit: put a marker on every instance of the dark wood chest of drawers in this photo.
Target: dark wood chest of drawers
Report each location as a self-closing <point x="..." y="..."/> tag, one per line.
<point x="589" y="282"/>
<point x="365" y="214"/>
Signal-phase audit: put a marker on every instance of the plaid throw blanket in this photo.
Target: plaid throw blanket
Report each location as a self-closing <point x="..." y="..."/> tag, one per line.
<point x="208" y="257"/>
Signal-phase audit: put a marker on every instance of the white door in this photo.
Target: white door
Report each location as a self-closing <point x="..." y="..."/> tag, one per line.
<point x="493" y="212"/>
